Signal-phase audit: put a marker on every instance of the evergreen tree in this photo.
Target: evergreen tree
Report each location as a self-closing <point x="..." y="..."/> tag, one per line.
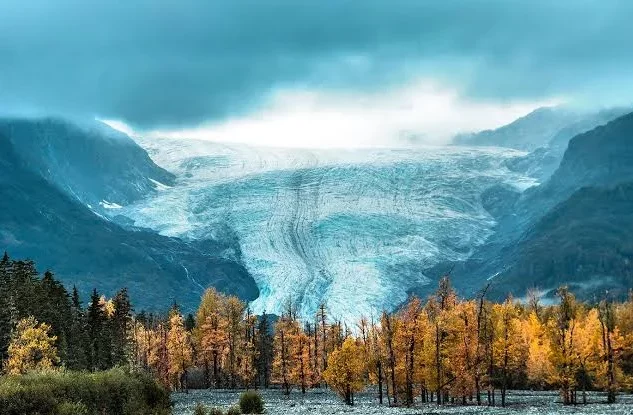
<point x="121" y="325"/>
<point x="55" y="310"/>
<point x="190" y="322"/>
<point x="98" y="330"/>
<point x="264" y="347"/>
<point x="25" y="287"/>
<point x="7" y="308"/>
<point x="78" y="344"/>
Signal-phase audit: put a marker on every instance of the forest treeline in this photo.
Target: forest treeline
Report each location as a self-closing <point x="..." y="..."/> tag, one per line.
<point x="43" y="325"/>
<point x="444" y="349"/>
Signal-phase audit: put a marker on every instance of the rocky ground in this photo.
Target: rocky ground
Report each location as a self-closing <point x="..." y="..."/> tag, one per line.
<point x="321" y="402"/>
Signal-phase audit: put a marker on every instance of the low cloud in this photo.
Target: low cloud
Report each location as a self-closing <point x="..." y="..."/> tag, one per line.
<point x="420" y="113"/>
<point x="163" y="64"/>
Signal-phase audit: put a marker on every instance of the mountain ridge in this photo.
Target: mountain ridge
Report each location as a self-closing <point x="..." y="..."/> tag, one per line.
<point x="40" y="221"/>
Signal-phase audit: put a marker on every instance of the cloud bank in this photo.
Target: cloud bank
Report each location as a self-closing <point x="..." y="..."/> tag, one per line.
<point x="176" y="65"/>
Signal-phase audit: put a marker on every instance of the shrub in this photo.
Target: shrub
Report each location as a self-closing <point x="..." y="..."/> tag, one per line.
<point x="114" y="391"/>
<point x="251" y="403"/>
<point x="200" y="409"/>
<point x="69" y="408"/>
<point x="234" y="410"/>
<point x="215" y="411"/>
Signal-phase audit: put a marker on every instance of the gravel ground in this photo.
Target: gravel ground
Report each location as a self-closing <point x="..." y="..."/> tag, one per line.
<point x="321" y="402"/>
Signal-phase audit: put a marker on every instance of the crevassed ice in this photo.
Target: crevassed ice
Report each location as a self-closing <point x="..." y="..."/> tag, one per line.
<point x="353" y="228"/>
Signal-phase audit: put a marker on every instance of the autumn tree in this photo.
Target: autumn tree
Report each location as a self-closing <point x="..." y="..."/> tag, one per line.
<point x="539" y="366"/>
<point x="345" y="370"/>
<point x="283" y="363"/>
<point x="179" y="350"/>
<point x="610" y="338"/>
<point x="509" y="349"/>
<point x="408" y="340"/>
<point x="247" y="354"/>
<point x="563" y="340"/>
<point x="589" y="349"/>
<point x="234" y="311"/>
<point x="388" y="330"/>
<point x="211" y="334"/>
<point x="31" y="347"/>
<point x="375" y="358"/>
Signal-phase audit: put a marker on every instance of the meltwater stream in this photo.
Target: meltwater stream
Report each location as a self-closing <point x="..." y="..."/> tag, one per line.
<point x="354" y="228"/>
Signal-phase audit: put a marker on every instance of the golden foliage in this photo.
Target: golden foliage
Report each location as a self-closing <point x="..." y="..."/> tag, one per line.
<point x="345" y="370"/>
<point x="31" y="348"/>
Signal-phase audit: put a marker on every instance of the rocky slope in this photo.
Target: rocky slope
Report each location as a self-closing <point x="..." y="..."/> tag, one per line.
<point x="573" y="229"/>
<point x="95" y="164"/>
<point x="42" y="217"/>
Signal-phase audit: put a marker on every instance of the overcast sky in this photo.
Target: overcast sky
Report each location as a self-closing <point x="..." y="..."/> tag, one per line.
<point x="314" y="72"/>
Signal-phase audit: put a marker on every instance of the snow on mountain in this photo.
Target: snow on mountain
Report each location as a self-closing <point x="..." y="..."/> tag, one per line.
<point x="354" y="228"/>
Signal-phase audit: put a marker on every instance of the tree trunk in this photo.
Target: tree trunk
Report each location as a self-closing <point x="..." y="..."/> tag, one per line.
<point x="379" y="381"/>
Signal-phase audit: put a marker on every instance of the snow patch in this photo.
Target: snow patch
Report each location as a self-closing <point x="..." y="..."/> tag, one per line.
<point x="109" y="205"/>
<point x="159" y="186"/>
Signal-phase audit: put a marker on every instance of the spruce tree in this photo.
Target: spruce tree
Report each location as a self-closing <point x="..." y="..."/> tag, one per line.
<point x="78" y="345"/>
<point x="55" y="310"/>
<point x="98" y="329"/>
<point x="7" y="310"/>
<point x="121" y="324"/>
<point x="264" y="353"/>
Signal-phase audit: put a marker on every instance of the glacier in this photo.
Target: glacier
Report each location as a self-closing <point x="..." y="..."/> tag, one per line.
<point x="353" y="228"/>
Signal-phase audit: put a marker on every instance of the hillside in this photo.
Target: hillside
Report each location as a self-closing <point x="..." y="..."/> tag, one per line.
<point x="39" y="221"/>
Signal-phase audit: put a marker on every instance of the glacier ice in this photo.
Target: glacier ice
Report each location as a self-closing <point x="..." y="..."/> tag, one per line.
<point x="355" y="228"/>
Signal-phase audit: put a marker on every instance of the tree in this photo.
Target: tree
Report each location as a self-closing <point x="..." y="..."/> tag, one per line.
<point x="589" y="350"/>
<point x="609" y="334"/>
<point x="408" y="341"/>
<point x="509" y="348"/>
<point x="539" y="361"/>
<point x="78" y="344"/>
<point x="345" y="370"/>
<point x="301" y="373"/>
<point x="247" y="352"/>
<point x="563" y="341"/>
<point x="234" y="313"/>
<point x="389" y="329"/>
<point x="375" y="359"/>
<point x="284" y="363"/>
<point x="211" y="335"/>
<point x="99" y="334"/>
<point x="31" y="347"/>
<point x="264" y="350"/>
<point x="7" y="307"/>
<point x="179" y="351"/>
<point x="121" y="323"/>
<point x="439" y="309"/>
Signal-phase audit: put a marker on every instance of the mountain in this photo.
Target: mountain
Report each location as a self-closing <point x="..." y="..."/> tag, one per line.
<point x="527" y="133"/>
<point x="41" y="218"/>
<point x="584" y="242"/>
<point x="600" y="157"/>
<point x="543" y="161"/>
<point x="573" y="229"/>
<point x="99" y="166"/>
<point x="359" y="229"/>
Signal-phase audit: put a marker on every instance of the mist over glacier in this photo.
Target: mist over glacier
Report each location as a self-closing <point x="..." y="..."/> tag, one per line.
<point x="354" y="228"/>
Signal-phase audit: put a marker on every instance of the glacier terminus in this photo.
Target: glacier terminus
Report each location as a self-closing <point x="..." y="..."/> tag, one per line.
<point x="354" y="228"/>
